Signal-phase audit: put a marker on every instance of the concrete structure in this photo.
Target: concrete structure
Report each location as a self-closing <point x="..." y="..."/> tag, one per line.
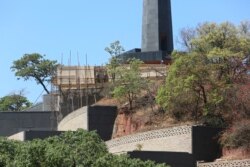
<point x="30" y="135"/>
<point x="78" y="77"/>
<point x="198" y="141"/>
<point x="157" y="26"/>
<point x="226" y="163"/>
<point x="176" y="139"/>
<point x="75" y="120"/>
<point x="98" y="118"/>
<point x="30" y="125"/>
<point x="15" y="122"/>
<point x="157" y="35"/>
<point x="174" y="159"/>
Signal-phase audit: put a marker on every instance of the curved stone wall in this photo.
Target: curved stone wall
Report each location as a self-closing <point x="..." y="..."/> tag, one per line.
<point x="75" y="120"/>
<point x="18" y="136"/>
<point x="175" y="139"/>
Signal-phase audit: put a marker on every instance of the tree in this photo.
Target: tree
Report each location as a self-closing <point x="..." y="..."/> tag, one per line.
<point x="80" y="148"/>
<point x="115" y="49"/>
<point x="201" y="82"/>
<point x="244" y="28"/>
<point x="70" y="149"/>
<point x="186" y="36"/>
<point x="35" y="66"/>
<point x="110" y="160"/>
<point x="129" y="82"/>
<point x="14" y="102"/>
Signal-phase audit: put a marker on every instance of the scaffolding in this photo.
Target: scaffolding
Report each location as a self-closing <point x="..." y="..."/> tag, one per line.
<point x="79" y="86"/>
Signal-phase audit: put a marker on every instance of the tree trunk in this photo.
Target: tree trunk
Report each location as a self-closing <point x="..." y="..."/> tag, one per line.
<point x="44" y="87"/>
<point x="204" y="94"/>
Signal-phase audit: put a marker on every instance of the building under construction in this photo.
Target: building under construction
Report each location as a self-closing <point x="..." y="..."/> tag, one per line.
<point x="76" y="86"/>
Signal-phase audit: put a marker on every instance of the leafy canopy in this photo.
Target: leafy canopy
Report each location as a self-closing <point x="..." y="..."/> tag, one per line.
<point x="202" y="81"/>
<point x="80" y="148"/>
<point x="14" y="102"/>
<point x="129" y="82"/>
<point x="35" y="66"/>
<point x="114" y="50"/>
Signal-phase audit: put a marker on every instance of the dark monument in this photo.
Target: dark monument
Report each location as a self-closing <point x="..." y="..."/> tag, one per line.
<point x="157" y="36"/>
<point x="157" y="26"/>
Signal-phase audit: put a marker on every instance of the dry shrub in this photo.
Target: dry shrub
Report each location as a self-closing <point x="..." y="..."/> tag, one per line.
<point x="237" y="136"/>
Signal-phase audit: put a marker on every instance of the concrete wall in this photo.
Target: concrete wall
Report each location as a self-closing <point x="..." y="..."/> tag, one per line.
<point x="200" y="141"/>
<point x="173" y="159"/>
<point x="30" y="135"/>
<point x="174" y="139"/>
<point x="226" y="163"/>
<point x="205" y="144"/>
<point x="102" y="119"/>
<point x="14" y="122"/>
<point x="99" y="118"/>
<point x="75" y="120"/>
<point x="18" y="136"/>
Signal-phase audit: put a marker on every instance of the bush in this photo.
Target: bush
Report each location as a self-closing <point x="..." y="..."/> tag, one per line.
<point x="75" y="149"/>
<point x="7" y="152"/>
<point x="110" y="160"/>
<point x="238" y="136"/>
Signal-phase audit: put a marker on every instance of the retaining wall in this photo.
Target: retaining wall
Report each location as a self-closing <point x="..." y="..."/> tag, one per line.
<point x="75" y="120"/>
<point x="18" y="136"/>
<point x="30" y="135"/>
<point x="15" y="122"/>
<point x="174" y="159"/>
<point x="236" y="163"/>
<point x="98" y="118"/>
<point x="174" y="139"/>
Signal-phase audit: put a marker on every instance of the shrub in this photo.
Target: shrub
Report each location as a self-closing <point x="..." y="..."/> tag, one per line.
<point x="238" y="136"/>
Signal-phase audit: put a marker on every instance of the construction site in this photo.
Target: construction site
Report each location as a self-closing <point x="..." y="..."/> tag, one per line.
<point x="76" y="86"/>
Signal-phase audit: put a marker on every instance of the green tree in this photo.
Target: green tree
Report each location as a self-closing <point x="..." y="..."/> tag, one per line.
<point x="80" y="148"/>
<point x="70" y="149"/>
<point x="129" y="82"/>
<point x="110" y="160"/>
<point x="114" y="50"/>
<point x="201" y="82"/>
<point x="35" y="66"/>
<point x="14" y="102"/>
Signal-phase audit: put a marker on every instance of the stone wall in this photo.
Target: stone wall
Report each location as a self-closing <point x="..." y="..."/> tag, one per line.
<point x="236" y="163"/>
<point x="175" y="139"/>
<point x="75" y="120"/>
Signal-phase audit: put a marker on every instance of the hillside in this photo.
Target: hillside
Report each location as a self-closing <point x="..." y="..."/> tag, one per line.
<point x="146" y="114"/>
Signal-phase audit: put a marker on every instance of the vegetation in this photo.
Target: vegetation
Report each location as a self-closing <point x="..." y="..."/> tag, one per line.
<point x="80" y="148"/>
<point x="14" y="102"/>
<point x="115" y="49"/>
<point x="35" y="66"/>
<point x="129" y="82"/>
<point x="202" y="81"/>
<point x="237" y="136"/>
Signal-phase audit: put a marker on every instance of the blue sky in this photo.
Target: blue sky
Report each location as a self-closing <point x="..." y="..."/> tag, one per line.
<point x="85" y="27"/>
